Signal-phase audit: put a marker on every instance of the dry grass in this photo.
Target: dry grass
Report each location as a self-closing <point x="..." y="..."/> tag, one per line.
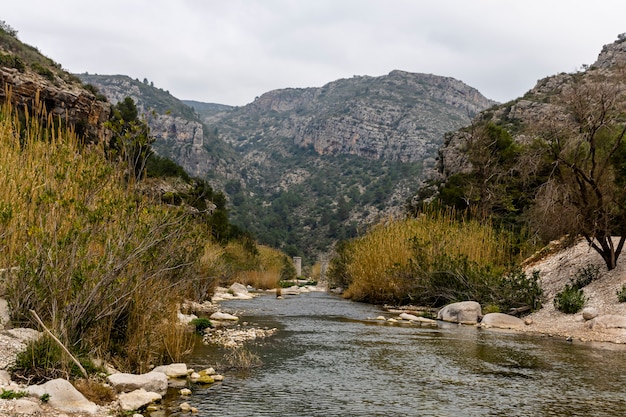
<point x="382" y="262"/>
<point x="103" y="266"/>
<point x="95" y="391"/>
<point x="265" y="273"/>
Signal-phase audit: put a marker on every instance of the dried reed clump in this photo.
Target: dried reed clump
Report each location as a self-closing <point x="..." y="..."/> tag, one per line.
<point x="262" y="273"/>
<point x="103" y="266"/>
<point x="402" y="260"/>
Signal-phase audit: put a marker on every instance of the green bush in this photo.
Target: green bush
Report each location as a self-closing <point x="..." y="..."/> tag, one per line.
<point x="201" y="323"/>
<point x="520" y="290"/>
<point x="11" y="395"/>
<point x="41" y="70"/>
<point x="621" y="294"/>
<point x="585" y="276"/>
<point x="12" y="61"/>
<point x="571" y="300"/>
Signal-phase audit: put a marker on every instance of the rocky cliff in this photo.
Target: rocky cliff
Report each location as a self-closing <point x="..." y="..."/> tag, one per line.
<point x="177" y="129"/>
<point x="520" y="115"/>
<point x="400" y="116"/>
<point x="27" y="76"/>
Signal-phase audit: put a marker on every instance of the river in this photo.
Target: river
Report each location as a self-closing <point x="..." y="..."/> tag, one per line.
<point x="327" y="359"/>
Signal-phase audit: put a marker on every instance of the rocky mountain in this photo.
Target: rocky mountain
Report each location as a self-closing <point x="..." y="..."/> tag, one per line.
<point x="27" y="76"/>
<point x="396" y="117"/>
<point x="518" y="116"/>
<point x="305" y="167"/>
<point x="179" y="133"/>
<point x="514" y="161"/>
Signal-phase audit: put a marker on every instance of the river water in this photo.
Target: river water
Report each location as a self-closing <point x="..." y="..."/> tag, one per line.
<point x="327" y="359"/>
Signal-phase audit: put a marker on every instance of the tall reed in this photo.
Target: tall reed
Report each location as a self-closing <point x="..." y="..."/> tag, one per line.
<point x="396" y="257"/>
<point x="104" y="266"/>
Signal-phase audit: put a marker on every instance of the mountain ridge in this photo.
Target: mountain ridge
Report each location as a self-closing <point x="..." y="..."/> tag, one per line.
<point x="305" y="167"/>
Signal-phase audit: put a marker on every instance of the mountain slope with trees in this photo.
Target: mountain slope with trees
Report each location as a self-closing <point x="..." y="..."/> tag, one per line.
<point x="552" y="162"/>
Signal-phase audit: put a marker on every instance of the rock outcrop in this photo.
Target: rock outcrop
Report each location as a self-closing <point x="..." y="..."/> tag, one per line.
<point x="464" y="312"/>
<point x="177" y="130"/>
<point x="401" y="116"/>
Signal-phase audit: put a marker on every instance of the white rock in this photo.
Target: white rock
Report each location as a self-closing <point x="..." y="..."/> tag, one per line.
<point x="392" y="321"/>
<point x="608" y="321"/>
<point x="137" y="415"/>
<point x="174" y="370"/>
<point x="151" y="382"/>
<point x="24" y="406"/>
<point x="464" y="312"/>
<point x="185" y="392"/>
<point x="24" y="335"/>
<point x="589" y="313"/>
<point x="209" y="371"/>
<point x="223" y="316"/>
<point x="136" y="399"/>
<point x="381" y="318"/>
<point x="185" y="407"/>
<point x="502" y="321"/>
<point x="64" y="397"/>
<point x="218" y="378"/>
<point x="5" y="378"/>
<point x="186" y="318"/>
<point x="237" y="289"/>
<point x="416" y="319"/>
<point x="5" y="316"/>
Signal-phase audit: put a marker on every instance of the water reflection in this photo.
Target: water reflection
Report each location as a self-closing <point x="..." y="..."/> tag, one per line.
<point x="327" y="360"/>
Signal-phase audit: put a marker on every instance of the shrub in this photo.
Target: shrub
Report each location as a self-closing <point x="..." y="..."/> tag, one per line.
<point x="95" y="391"/>
<point x="201" y="323"/>
<point x="41" y="70"/>
<point x="12" y="61"/>
<point x="585" y="276"/>
<point x="519" y="290"/>
<point x="11" y="395"/>
<point x="571" y="300"/>
<point x="621" y="294"/>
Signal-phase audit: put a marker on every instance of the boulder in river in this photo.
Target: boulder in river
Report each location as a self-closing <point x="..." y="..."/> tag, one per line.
<point x="464" y="312"/>
<point x="137" y="399"/>
<point x="218" y="315"/>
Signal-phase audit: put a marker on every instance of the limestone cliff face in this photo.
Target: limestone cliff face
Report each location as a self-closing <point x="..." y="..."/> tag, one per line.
<point x="398" y="117"/>
<point x="177" y="131"/>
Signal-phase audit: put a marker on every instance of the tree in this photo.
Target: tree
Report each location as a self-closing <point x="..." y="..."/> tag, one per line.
<point x="131" y="140"/>
<point x="583" y="141"/>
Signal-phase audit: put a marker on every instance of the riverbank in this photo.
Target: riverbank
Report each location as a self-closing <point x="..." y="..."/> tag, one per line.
<point x="556" y="271"/>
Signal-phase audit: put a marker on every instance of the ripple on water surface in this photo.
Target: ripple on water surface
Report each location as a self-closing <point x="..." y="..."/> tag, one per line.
<point x="327" y="360"/>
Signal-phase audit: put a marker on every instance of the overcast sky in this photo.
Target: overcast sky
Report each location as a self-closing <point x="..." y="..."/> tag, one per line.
<point x="229" y="51"/>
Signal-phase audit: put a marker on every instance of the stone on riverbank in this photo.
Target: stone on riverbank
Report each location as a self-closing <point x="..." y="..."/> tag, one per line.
<point x="218" y="315"/>
<point x="416" y="319"/>
<point x="151" y="382"/>
<point x="134" y="400"/>
<point x="608" y="321"/>
<point x="502" y="321"/>
<point x="64" y="397"/>
<point x="589" y="313"/>
<point x="464" y="312"/>
<point x="174" y="370"/>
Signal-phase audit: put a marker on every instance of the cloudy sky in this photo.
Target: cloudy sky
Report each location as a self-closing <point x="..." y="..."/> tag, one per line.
<point x="229" y="51"/>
